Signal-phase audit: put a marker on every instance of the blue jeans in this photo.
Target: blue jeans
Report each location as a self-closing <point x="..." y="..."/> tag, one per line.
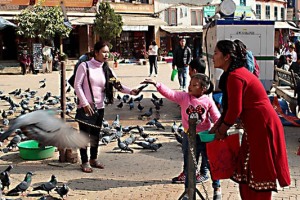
<point x="200" y="149"/>
<point x="182" y="76"/>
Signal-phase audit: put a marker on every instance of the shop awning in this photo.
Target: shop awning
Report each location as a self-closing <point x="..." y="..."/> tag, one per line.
<point x="81" y="20"/>
<point x="285" y="25"/>
<point x="141" y="20"/>
<point x="182" y="29"/>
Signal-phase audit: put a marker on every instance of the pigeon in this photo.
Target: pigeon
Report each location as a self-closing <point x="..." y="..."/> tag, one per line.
<point x="140" y="107"/>
<point x="155" y="147"/>
<point x="105" y="123"/>
<point x="144" y="144"/>
<point x="68" y="90"/>
<point x="130" y="140"/>
<point x="120" y="105"/>
<point x="140" y="129"/>
<point x="131" y="105"/>
<point x="150" y="140"/>
<point x="161" y="102"/>
<point x="127" y="129"/>
<point x="27" y="90"/>
<point x="151" y="122"/>
<point x="42" y="81"/>
<point x="119" y="97"/>
<point x="43" y="85"/>
<point x="23" y="186"/>
<point x="154" y="97"/>
<point x="48" y="130"/>
<point x="148" y="113"/>
<point x="116" y="122"/>
<point x="139" y="99"/>
<point x="156" y="104"/>
<point x="125" y="98"/>
<point x="174" y="127"/>
<point x="123" y="146"/>
<point x="107" y="139"/>
<point x="62" y="191"/>
<point x="48" y="186"/>
<point x="14" y="142"/>
<point x="14" y="92"/>
<point x="4" y="177"/>
<point x="159" y="125"/>
<point x="178" y="137"/>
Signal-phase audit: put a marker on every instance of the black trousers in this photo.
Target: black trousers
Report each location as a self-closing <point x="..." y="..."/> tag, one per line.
<point x="153" y="63"/>
<point x="94" y="135"/>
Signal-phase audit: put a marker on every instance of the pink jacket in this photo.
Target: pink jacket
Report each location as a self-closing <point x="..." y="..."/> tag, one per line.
<point x="211" y="113"/>
<point x="97" y="80"/>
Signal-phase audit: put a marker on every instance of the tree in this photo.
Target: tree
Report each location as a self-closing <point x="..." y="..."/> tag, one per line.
<point x="108" y="24"/>
<point x="42" y="22"/>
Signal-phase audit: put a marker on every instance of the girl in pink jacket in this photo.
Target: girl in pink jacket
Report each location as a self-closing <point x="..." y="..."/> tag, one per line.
<point x="199" y="87"/>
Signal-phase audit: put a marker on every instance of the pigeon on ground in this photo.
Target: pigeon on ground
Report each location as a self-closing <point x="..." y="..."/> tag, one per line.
<point x="116" y="122"/>
<point x="148" y="113"/>
<point x="127" y="129"/>
<point x="68" y="90"/>
<point x="105" y="123"/>
<point x="47" y="129"/>
<point x="4" y="177"/>
<point x="150" y="140"/>
<point x="144" y="144"/>
<point x="155" y="146"/>
<point x="43" y="85"/>
<point x="62" y="191"/>
<point x="48" y="186"/>
<point x="120" y="105"/>
<point x="130" y="140"/>
<point x="23" y="186"/>
<point x="123" y="146"/>
<point x="14" y="142"/>
<point x="174" y="127"/>
<point x="139" y="98"/>
<point x="125" y="98"/>
<point x="119" y="97"/>
<point x="140" y="107"/>
<point x="42" y="81"/>
<point x="151" y="122"/>
<point x="159" y="125"/>
<point x="14" y="92"/>
<point x="131" y="105"/>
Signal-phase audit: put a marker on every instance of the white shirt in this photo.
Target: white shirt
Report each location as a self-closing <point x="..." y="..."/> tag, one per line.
<point x="153" y="49"/>
<point x="294" y="55"/>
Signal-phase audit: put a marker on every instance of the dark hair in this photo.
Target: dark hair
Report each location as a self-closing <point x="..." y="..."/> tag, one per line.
<point x="238" y="60"/>
<point x="100" y="44"/>
<point x="199" y="65"/>
<point x="281" y="61"/>
<point x="153" y="42"/>
<point x="205" y="82"/>
<point x="235" y="51"/>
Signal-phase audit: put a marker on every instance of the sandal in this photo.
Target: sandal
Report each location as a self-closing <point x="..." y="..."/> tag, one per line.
<point x="96" y="164"/>
<point x="86" y="167"/>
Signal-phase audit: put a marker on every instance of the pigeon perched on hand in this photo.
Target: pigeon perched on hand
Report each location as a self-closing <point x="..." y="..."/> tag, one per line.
<point x="48" y="130"/>
<point x="23" y="186"/>
<point x="47" y="186"/>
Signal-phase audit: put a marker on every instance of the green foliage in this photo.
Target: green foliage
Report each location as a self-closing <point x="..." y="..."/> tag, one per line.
<point x="108" y="24"/>
<point x="42" y="22"/>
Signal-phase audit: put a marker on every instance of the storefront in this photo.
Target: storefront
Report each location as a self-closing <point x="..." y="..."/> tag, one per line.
<point x="170" y="36"/>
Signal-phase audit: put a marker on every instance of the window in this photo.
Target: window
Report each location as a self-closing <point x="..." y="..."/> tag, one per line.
<point x="267" y="12"/>
<point x="282" y="13"/>
<point x="276" y="13"/>
<point x="258" y="11"/>
<point x="242" y="2"/>
<point x="196" y="16"/>
<point x="171" y="16"/>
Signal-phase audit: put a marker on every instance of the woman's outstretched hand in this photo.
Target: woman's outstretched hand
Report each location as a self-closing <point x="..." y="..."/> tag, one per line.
<point x="149" y="81"/>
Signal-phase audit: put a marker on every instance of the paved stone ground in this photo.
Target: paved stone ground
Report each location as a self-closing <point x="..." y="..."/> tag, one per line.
<point x="141" y="175"/>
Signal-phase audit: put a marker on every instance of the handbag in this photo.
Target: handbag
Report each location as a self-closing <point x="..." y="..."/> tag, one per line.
<point x="81" y="116"/>
<point x="222" y="156"/>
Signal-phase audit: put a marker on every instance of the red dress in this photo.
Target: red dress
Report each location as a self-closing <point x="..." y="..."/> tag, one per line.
<point x="263" y="156"/>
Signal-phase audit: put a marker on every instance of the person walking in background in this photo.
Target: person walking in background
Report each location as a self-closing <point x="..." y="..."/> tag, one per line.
<point x="99" y="75"/>
<point x="25" y="62"/>
<point x="152" y="52"/>
<point x="263" y="142"/>
<point x="292" y="52"/>
<point x="181" y="59"/>
<point x="197" y="96"/>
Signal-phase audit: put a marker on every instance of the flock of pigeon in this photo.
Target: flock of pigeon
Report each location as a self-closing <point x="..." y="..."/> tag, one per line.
<point x="24" y="185"/>
<point x="34" y="111"/>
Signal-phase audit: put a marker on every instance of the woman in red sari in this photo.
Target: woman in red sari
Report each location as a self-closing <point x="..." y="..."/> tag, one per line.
<point x="263" y="158"/>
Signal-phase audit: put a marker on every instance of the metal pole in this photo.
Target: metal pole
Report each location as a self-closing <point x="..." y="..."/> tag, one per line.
<point x="191" y="190"/>
<point x="63" y="90"/>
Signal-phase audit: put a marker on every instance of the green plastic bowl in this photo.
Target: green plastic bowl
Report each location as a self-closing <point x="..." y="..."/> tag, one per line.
<point x="205" y="136"/>
<point x="29" y="150"/>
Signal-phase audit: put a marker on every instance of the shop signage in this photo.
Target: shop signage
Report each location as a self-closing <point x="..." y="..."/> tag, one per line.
<point x="69" y="3"/>
<point x="209" y="11"/>
<point x="15" y="2"/>
<point x="240" y="10"/>
<point x="132" y="8"/>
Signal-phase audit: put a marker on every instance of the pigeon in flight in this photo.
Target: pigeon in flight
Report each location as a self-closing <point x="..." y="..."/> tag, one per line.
<point x="23" y="186"/>
<point x="47" y="186"/>
<point x="48" y="130"/>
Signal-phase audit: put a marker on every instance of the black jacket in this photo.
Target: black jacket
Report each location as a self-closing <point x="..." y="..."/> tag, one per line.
<point x="181" y="56"/>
